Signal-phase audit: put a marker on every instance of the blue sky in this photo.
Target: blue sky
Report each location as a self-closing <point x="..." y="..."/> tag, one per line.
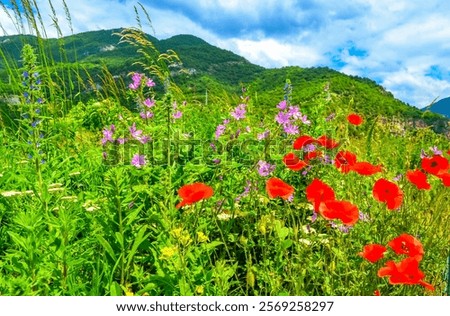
<point x="402" y="44"/>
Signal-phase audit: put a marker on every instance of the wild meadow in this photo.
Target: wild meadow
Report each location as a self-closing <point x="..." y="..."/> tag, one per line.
<point x="137" y="189"/>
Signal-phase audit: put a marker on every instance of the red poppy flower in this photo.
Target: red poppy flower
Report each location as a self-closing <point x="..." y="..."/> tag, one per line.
<point x="405" y="272"/>
<point x="355" y="119"/>
<point x="312" y="155"/>
<point x="445" y="178"/>
<point x="435" y="165"/>
<point x="345" y="211"/>
<point x="327" y="142"/>
<point x="344" y="161"/>
<point x="318" y="192"/>
<point x="448" y="152"/>
<point x="389" y="193"/>
<point x="376" y="293"/>
<point x="192" y="193"/>
<point x="278" y="188"/>
<point x="373" y="252"/>
<point x="302" y="141"/>
<point x="365" y="168"/>
<point x="419" y="179"/>
<point x="293" y="162"/>
<point x="407" y="245"/>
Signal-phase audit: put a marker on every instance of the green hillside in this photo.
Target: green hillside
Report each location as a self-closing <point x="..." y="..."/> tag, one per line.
<point x="205" y="69"/>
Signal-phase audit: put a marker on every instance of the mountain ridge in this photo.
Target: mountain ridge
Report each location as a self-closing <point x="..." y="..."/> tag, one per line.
<point x="208" y="67"/>
<point x="441" y="106"/>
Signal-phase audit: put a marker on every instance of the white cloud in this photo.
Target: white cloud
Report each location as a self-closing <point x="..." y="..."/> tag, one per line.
<point x="415" y="87"/>
<point x="270" y="52"/>
<point x="7" y="25"/>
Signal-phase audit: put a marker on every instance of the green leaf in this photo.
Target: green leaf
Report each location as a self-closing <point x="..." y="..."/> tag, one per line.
<point x="138" y="240"/>
<point x="115" y="289"/>
<point x="213" y="244"/>
<point x="119" y="239"/>
<point x="286" y="244"/>
<point x="107" y="247"/>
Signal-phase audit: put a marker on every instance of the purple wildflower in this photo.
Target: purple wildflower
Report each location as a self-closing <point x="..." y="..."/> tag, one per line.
<point x="121" y="140"/>
<point x="436" y="151"/>
<point x="282" y="105"/>
<point x="265" y="168"/>
<point x="137" y="78"/>
<point x="177" y="115"/>
<point x="294" y="112"/>
<point x="144" y="139"/>
<point x="423" y="154"/>
<point x="343" y="228"/>
<point x="327" y="160"/>
<point x="226" y="121"/>
<point x="213" y="146"/>
<point x="291" y="129"/>
<point x="364" y="217"/>
<point x="150" y="83"/>
<point x="146" y="115"/>
<point x="239" y="112"/>
<point x="398" y="177"/>
<point x="282" y="118"/>
<point x="136" y="134"/>
<point x="306" y="170"/>
<point x="305" y="120"/>
<point x="263" y="135"/>
<point x="216" y="161"/>
<point x="309" y="148"/>
<point x="313" y="217"/>
<point x="107" y="136"/>
<point x="138" y="160"/>
<point x="247" y="189"/>
<point x="149" y="102"/>
<point x="220" y="130"/>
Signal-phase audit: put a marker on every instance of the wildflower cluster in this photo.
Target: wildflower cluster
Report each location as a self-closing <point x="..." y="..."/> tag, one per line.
<point x="134" y="135"/>
<point x="407" y="270"/>
<point x="323" y="198"/>
<point x="289" y="116"/>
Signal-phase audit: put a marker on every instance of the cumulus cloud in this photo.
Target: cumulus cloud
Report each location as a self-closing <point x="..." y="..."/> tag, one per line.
<point x="404" y="44"/>
<point x="266" y="52"/>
